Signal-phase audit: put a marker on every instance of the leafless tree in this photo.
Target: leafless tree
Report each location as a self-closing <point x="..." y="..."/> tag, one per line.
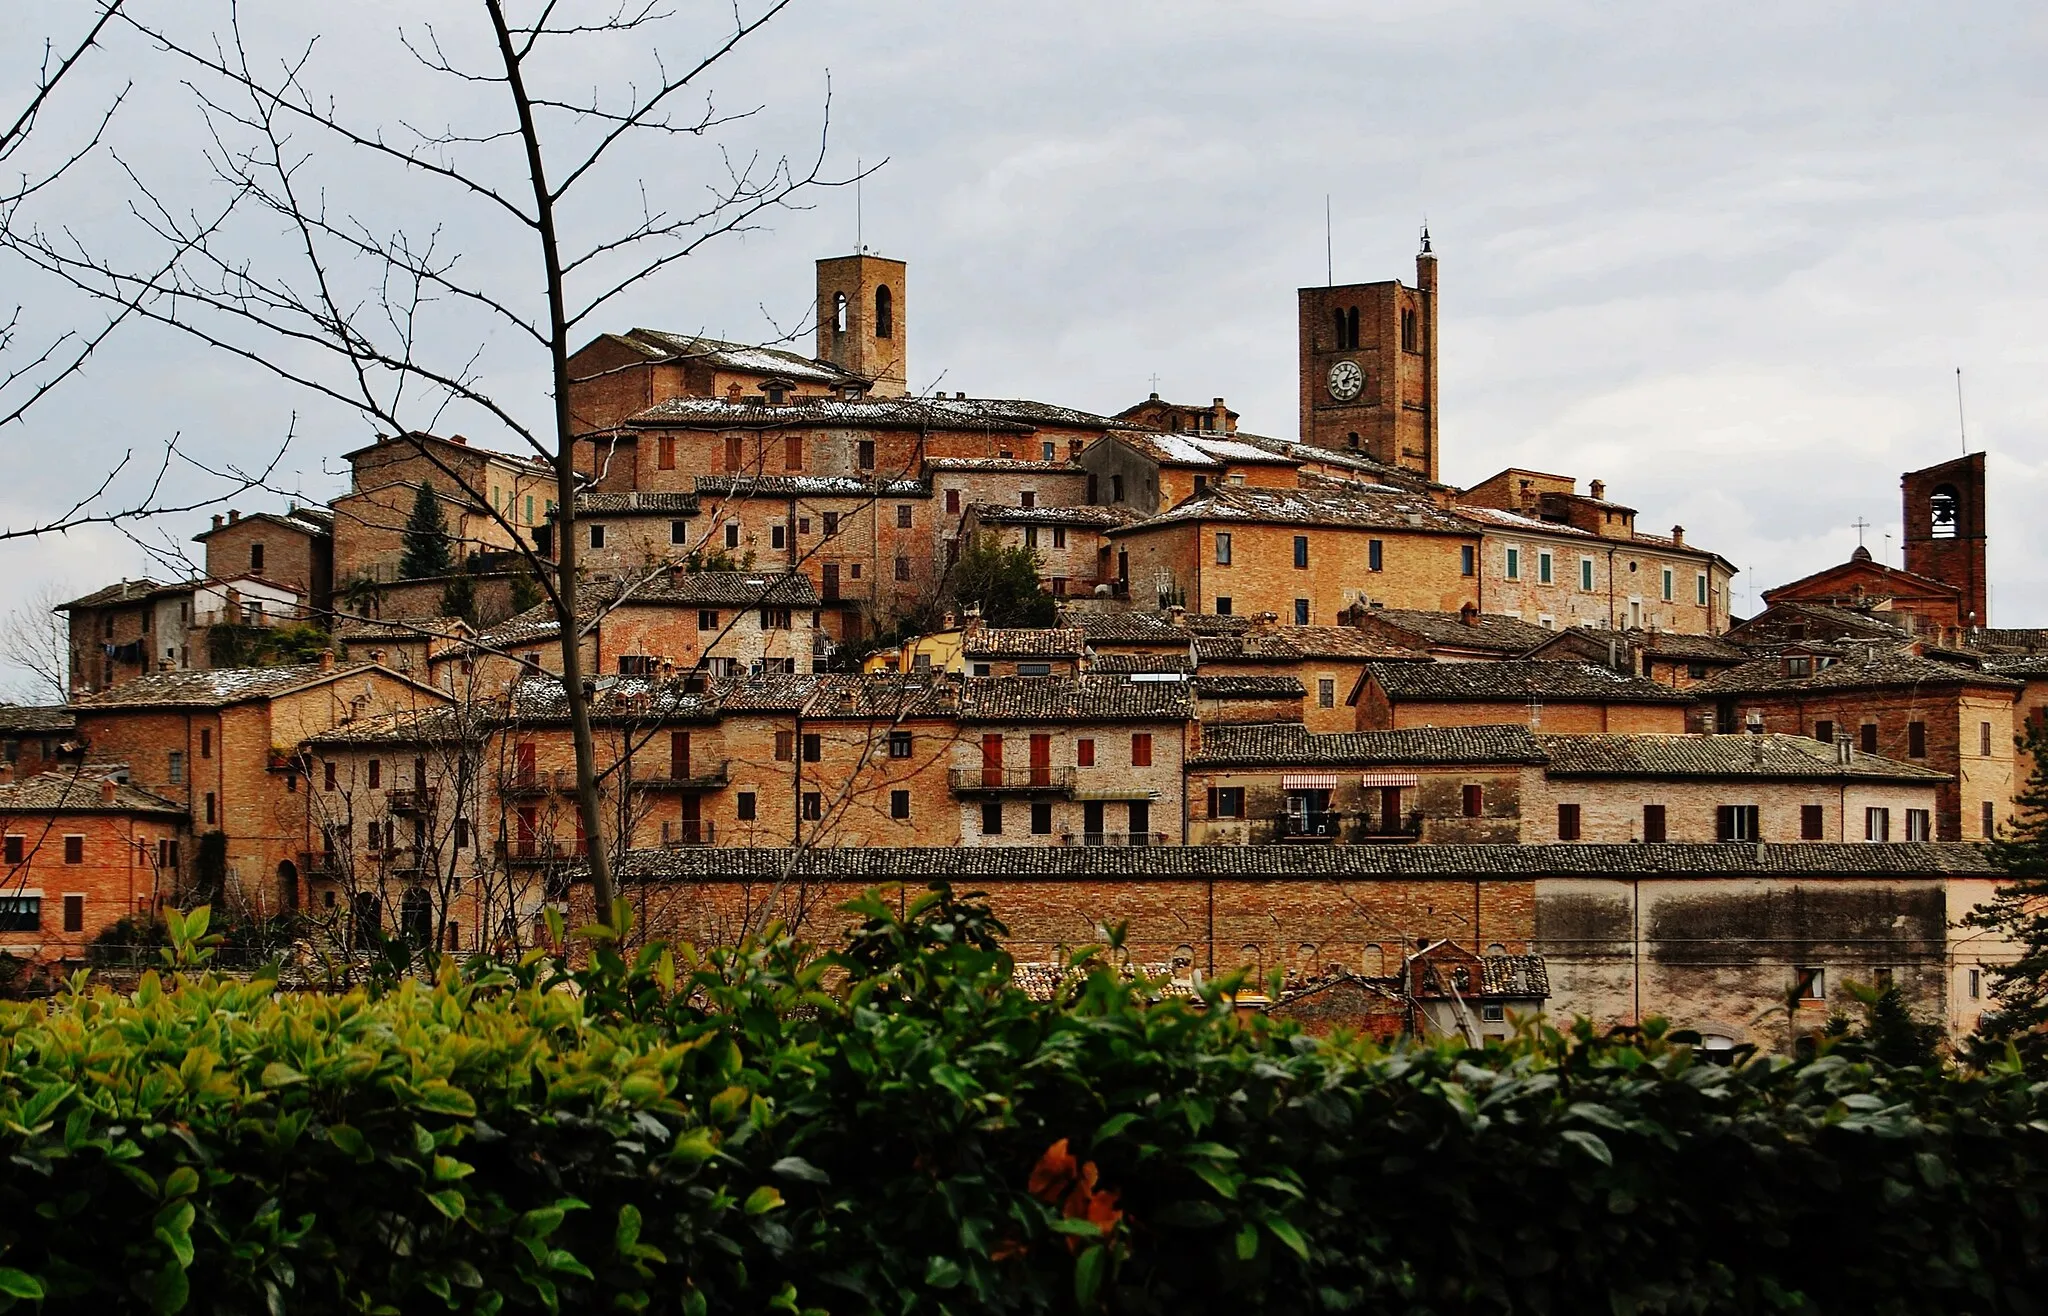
<point x="374" y="314"/>
<point x="36" y="642"/>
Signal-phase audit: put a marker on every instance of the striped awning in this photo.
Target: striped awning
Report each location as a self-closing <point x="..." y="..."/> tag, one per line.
<point x="1309" y="781"/>
<point x="1114" y="793"/>
<point x="1389" y="779"/>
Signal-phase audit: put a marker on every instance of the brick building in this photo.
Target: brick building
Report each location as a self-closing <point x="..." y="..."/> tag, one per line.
<point x="490" y="501"/>
<point x="1368" y="368"/>
<point x="1325" y="661"/>
<point x="294" y="548"/>
<point x="1070" y="544"/>
<point x="1544" y="694"/>
<point x="33" y="736"/>
<point x="126" y="629"/>
<point x="81" y="848"/>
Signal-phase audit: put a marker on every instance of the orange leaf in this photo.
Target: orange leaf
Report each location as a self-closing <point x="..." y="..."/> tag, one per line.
<point x="1054" y="1173"/>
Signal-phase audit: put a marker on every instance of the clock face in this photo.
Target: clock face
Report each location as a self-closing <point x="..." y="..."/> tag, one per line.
<point x="1347" y="381"/>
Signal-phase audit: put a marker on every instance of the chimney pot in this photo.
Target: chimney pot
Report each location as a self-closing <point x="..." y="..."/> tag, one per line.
<point x="106" y="790"/>
<point x="233" y="516"/>
<point x="1598" y="489"/>
<point x="218" y="520"/>
<point x="458" y="438"/>
<point x="1678" y="535"/>
<point x="1469" y="614"/>
<point x="327" y="660"/>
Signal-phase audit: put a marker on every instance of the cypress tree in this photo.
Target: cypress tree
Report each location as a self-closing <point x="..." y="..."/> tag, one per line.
<point x="2019" y="914"/>
<point x="427" y="551"/>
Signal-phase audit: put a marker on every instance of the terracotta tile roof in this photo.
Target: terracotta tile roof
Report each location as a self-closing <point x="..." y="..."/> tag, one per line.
<point x="981" y="415"/>
<point x="1774" y="756"/>
<point x="429" y="726"/>
<point x="882" y="697"/>
<point x="1693" y="648"/>
<point x="1044" y="980"/>
<point x="1153" y="627"/>
<point x="781" y="693"/>
<point x="36" y="719"/>
<point x="1334" y="506"/>
<point x="1073" y="699"/>
<point x="2019" y="666"/>
<point x="79" y="791"/>
<point x="808" y="486"/>
<point x="1202" y="451"/>
<point x="681" y="589"/>
<point x="1521" y="680"/>
<point x="1090" y="518"/>
<point x="213" y="689"/>
<point x="1000" y="642"/>
<point x="1879" y="670"/>
<point x="1360" y="464"/>
<point x="1291" y="643"/>
<point x="1009" y="465"/>
<point x="127" y="591"/>
<point x="360" y="630"/>
<point x="2008" y="640"/>
<point x="1283" y="743"/>
<point x="617" y="504"/>
<point x="1222" y="686"/>
<point x="1807" y="859"/>
<point x="616" y="700"/>
<point x="1524" y="977"/>
<point x="1490" y="632"/>
<point x="1107" y="664"/>
<point x="659" y="345"/>
<point x="1495" y="518"/>
<point x="312" y="521"/>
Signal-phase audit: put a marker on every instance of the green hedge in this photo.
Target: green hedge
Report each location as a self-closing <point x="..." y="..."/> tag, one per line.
<point x="892" y="1128"/>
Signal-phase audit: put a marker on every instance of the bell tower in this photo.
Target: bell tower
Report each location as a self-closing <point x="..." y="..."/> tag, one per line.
<point x="863" y="307"/>
<point x="1945" y="538"/>
<point x="1368" y="356"/>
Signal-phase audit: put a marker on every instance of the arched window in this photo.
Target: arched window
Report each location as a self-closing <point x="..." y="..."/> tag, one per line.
<point x="838" y="312"/>
<point x="1408" y="331"/>
<point x="1374" y="963"/>
<point x="885" y="312"/>
<point x="1351" y="327"/>
<point x="1944" y="506"/>
<point x="1352" y="438"/>
<point x="1337" y="314"/>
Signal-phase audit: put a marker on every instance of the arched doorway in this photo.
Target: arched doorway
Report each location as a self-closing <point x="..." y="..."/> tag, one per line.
<point x="367" y="924"/>
<point x="416" y="916"/>
<point x="287" y="886"/>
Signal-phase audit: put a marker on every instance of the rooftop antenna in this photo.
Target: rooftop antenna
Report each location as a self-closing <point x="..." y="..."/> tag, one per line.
<point x="860" y="245"/>
<point x="1329" y="248"/>
<point x="1887" y="559"/>
<point x="1962" y="432"/>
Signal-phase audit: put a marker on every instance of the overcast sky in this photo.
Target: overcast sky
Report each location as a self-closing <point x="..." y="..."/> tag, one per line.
<point x="1726" y="257"/>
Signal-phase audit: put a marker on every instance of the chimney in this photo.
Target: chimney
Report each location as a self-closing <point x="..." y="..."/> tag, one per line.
<point x="1843" y="752"/>
<point x="1469" y="614"/>
<point x="376" y="655"/>
<point x="1597" y="490"/>
<point x="959" y="397"/>
<point x="1220" y="417"/>
<point x="6" y="773"/>
<point x="106" y="790"/>
<point x="1176" y="613"/>
<point x="327" y="660"/>
<point x="732" y="392"/>
<point x="457" y="438"/>
<point x="218" y="520"/>
<point x="1678" y="535"/>
<point x="233" y="516"/>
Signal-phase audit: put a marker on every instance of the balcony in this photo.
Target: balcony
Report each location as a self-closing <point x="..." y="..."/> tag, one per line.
<point x="525" y="851"/>
<point x="710" y="778"/>
<point x="561" y="782"/>
<point x="404" y="799"/>
<point x="987" y="780"/>
<point x="680" y="835"/>
<point x="320" y="866"/>
<point x="1125" y="839"/>
<point x="1320" y="828"/>
<point x="1401" y="828"/>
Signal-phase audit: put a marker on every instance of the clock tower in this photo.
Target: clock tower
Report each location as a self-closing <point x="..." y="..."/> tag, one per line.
<point x="1368" y="368"/>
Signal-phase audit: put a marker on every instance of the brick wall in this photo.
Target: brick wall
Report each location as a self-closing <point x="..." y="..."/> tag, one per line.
<point x="114" y="877"/>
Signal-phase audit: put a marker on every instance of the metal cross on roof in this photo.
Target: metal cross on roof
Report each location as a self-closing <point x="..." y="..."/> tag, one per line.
<point x="1861" y="526"/>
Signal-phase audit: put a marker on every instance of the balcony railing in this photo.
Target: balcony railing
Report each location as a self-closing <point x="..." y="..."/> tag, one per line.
<point x="412" y="799"/>
<point x="561" y="782"/>
<point x="678" y="835"/>
<point x="1322" y="827"/>
<point x="1114" y="838"/>
<point x="536" y="850"/>
<point x="707" y="777"/>
<point x="969" y="781"/>
<point x="1401" y="827"/>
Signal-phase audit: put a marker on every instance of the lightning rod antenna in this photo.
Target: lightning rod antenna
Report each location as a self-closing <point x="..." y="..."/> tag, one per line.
<point x="1329" y="248"/>
<point x="859" y="232"/>
<point x="1962" y="432"/>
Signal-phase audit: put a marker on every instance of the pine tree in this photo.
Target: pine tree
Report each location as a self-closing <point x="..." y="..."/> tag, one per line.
<point x="459" y="598"/>
<point x="2019" y="914"/>
<point x="427" y="551"/>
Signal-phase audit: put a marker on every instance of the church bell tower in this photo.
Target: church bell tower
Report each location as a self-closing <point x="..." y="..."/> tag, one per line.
<point x="863" y="307"/>
<point x="1368" y="368"/>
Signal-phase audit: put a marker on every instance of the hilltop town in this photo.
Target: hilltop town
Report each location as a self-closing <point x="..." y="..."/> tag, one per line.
<point x="1419" y="757"/>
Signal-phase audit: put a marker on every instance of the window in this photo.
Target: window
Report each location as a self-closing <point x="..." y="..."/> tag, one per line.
<point x="814" y="746"/>
<point x="1824" y="731"/>
<point x="1867" y="738"/>
<point x="735" y="454"/>
<point x="597" y="536"/>
<point x="1514" y="564"/>
<point x="1226" y="801"/>
<point x="205" y="743"/>
<point x="1084" y="752"/>
<point x="903" y="516"/>
<point x="1567" y="822"/>
<point x="1667" y="584"/>
<point x="1543" y="568"/>
<point x="952" y="502"/>
<point x="813" y="806"/>
<point x="1141" y="749"/>
<point x="792" y="453"/>
<point x="15" y="849"/>
<point x="1799" y="665"/>
<point x="74" y="849"/>
<point x="21" y="913"/>
<point x="992" y="818"/>
<point x="1116" y="488"/>
<point x="1813" y="822"/>
<point x="1877" y="824"/>
<point x="1809" y="984"/>
<point x="743" y="806"/>
<point x="665" y="452"/>
<point x="864" y="454"/>
<point x="1222" y="548"/>
<point x="1407" y="331"/>
<point x="1699" y="589"/>
<point x="1041" y="817"/>
<point x="707" y="619"/>
<point x="1976" y="984"/>
<point x="1916" y="740"/>
<point x="1034" y="669"/>
<point x="1586" y="574"/>
<point x="1919" y="825"/>
<point x="177" y="767"/>
<point x="838" y="312"/>
<point x="776" y="619"/>
<point x="1736" y="822"/>
<point x="376" y="773"/>
<point x="1984" y="739"/>
<point x="74" y="913"/>
<point x="1046" y="451"/>
<point x="1375" y="555"/>
<point x="1326" y="692"/>
<point x="777" y="536"/>
<point x="785" y="746"/>
<point x="1031" y="536"/>
<point x="1474" y="800"/>
<point x="255" y="564"/>
<point x="1301" y="612"/>
<point x="636" y="664"/>
<point x="899" y="805"/>
<point x="1990" y="819"/>
<point x="1059" y="538"/>
<point x="1941" y="507"/>
<point x="1653" y="823"/>
<point x="1301" y="552"/>
<point x="1223" y="605"/>
<point x="902" y="568"/>
<point x="899" y="744"/>
<point x="885" y="312"/>
<point x="1466" y="560"/>
<point x="462" y="833"/>
<point x="211" y="810"/>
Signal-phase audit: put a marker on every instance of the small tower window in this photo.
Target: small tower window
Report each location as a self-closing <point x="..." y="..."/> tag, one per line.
<point x="885" y="312"/>
<point x="1408" y="331"/>
<point x="1942" y="506"/>
<point x="838" y="312"/>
